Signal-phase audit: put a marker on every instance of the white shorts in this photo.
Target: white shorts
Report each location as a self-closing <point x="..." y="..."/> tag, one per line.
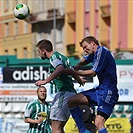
<point x="59" y="109"/>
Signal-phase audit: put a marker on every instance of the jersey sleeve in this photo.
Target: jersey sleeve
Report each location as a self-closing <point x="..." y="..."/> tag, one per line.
<point x="100" y="60"/>
<point x="55" y="61"/>
<point x="28" y="111"/>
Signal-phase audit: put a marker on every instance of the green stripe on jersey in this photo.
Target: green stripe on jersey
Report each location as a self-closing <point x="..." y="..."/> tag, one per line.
<point x="63" y="82"/>
<point x="31" y="111"/>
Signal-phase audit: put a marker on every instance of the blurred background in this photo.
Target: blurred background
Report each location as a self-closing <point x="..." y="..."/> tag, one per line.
<point x="65" y="23"/>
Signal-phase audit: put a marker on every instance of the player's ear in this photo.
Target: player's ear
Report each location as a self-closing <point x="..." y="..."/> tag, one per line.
<point x="44" y="50"/>
<point x="92" y="43"/>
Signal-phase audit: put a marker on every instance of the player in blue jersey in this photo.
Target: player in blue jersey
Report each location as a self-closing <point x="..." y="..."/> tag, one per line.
<point x="105" y="95"/>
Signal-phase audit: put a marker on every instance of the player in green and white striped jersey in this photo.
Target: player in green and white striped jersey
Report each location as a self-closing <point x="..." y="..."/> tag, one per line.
<point x="61" y="84"/>
<point x="37" y="113"/>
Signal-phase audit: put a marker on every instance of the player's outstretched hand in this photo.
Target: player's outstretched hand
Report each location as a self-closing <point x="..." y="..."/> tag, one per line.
<point x="69" y="71"/>
<point x="39" y="120"/>
<point x="40" y="82"/>
<point x="83" y="81"/>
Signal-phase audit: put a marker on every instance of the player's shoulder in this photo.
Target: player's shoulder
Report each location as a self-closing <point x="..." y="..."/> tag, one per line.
<point x="58" y="55"/>
<point x="48" y="104"/>
<point x="54" y="56"/>
<point x="58" y="58"/>
<point x="32" y="103"/>
<point x="102" y="50"/>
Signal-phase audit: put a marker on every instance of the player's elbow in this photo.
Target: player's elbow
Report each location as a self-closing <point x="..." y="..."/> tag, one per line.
<point x="25" y="120"/>
<point x="93" y="74"/>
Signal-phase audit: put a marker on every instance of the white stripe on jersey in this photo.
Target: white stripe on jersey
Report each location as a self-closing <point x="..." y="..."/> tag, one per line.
<point x="98" y="59"/>
<point x="107" y="100"/>
<point x="37" y="109"/>
<point x="32" y="130"/>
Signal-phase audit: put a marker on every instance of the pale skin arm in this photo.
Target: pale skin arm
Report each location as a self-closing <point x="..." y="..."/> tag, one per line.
<point x="86" y="73"/>
<point x="81" y="81"/>
<point x="32" y="121"/>
<point x="80" y="73"/>
<point x="58" y="71"/>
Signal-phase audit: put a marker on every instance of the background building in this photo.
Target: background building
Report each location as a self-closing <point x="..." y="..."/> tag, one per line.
<point x="111" y="21"/>
<point x="15" y="35"/>
<point x="65" y="23"/>
<point x="19" y="37"/>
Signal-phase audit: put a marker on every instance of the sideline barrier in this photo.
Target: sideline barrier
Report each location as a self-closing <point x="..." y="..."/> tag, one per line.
<point x="118" y="125"/>
<point x="14" y="125"/>
<point x="113" y="125"/>
<point x="71" y="127"/>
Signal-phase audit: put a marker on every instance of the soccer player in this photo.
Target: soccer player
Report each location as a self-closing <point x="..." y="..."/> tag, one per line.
<point x="105" y="95"/>
<point x="36" y="113"/>
<point x="61" y="84"/>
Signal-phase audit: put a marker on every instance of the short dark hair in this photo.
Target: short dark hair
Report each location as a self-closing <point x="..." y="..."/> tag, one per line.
<point x="45" y="44"/>
<point x="89" y="39"/>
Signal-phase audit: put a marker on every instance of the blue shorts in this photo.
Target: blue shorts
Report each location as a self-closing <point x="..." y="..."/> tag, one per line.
<point x="104" y="99"/>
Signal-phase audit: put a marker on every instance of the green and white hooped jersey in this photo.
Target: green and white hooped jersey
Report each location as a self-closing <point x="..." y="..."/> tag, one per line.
<point x="32" y="110"/>
<point x="64" y="81"/>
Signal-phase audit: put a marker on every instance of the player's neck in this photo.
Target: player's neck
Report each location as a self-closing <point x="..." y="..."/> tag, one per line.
<point x="49" y="54"/>
<point x="95" y="48"/>
<point x="41" y="101"/>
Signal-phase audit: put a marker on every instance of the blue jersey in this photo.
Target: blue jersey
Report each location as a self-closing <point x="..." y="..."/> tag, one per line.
<point x="105" y="67"/>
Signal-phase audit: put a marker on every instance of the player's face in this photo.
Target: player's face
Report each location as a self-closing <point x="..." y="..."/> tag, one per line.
<point x="42" y="53"/>
<point x="88" y="47"/>
<point x="42" y="93"/>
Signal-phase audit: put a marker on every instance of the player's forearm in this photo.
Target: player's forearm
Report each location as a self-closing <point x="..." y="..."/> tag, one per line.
<point x="51" y="77"/>
<point x="58" y="71"/>
<point x="29" y="120"/>
<point x="85" y="73"/>
<point x="55" y="74"/>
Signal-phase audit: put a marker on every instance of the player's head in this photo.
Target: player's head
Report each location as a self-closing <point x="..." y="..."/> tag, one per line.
<point x="41" y="93"/>
<point x="44" y="46"/>
<point x="89" y="39"/>
<point x="89" y="44"/>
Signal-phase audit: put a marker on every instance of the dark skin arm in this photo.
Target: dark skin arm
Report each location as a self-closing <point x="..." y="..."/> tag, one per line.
<point x="80" y="80"/>
<point x="80" y="73"/>
<point x="58" y="71"/>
